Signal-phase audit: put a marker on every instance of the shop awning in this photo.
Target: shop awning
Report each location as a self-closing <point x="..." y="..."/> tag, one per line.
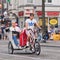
<point x="52" y="13"/>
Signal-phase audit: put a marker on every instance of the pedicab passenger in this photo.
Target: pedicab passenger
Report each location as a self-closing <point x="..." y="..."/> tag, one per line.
<point x="15" y="31"/>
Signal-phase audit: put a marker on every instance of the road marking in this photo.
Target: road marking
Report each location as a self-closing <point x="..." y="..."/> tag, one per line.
<point x="3" y="59"/>
<point x="26" y="57"/>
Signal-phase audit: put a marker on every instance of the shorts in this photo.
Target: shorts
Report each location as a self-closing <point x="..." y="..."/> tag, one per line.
<point x="30" y="33"/>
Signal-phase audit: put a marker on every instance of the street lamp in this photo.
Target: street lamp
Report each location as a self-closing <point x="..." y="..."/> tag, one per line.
<point x="43" y="19"/>
<point x="16" y="17"/>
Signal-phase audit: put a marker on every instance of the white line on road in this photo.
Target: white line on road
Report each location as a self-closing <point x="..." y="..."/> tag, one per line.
<point x="26" y="57"/>
<point x="3" y="59"/>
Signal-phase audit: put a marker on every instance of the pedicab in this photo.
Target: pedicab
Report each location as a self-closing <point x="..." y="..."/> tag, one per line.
<point x="34" y="44"/>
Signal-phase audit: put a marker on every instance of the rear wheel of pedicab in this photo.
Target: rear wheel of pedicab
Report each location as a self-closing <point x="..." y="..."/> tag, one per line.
<point x="37" y="48"/>
<point x="10" y="48"/>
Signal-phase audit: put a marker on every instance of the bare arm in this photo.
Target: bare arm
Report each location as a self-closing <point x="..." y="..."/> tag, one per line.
<point x="38" y="25"/>
<point x="26" y="25"/>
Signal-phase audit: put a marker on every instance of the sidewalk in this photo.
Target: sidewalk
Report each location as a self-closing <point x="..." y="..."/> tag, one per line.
<point x="50" y="43"/>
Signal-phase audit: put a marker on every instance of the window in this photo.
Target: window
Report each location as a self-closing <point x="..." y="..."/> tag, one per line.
<point x="29" y="1"/>
<point x="49" y="1"/>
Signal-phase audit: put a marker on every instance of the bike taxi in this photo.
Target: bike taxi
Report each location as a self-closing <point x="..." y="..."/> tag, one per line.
<point x="34" y="45"/>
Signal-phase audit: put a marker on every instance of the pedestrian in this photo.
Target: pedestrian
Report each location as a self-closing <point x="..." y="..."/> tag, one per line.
<point x="40" y="35"/>
<point x="2" y="21"/>
<point x="7" y="31"/>
<point x="0" y="34"/>
<point x="3" y="29"/>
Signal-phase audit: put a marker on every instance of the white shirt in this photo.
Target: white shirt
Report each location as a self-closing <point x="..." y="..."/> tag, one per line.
<point x="31" y="23"/>
<point x="15" y="29"/>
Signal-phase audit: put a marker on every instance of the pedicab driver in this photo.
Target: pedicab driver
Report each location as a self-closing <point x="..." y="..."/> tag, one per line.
<point x="29" y="24"/>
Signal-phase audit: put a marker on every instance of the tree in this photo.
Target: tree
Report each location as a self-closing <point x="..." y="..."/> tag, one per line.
<point x="8" y="1"/>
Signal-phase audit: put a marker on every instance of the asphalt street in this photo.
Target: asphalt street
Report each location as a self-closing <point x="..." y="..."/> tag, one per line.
<point x="47" y="53"/>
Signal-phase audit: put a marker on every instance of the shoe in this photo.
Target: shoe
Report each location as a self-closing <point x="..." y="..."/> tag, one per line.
<point x="27" y="44"/>
<point x="20" y="47"/>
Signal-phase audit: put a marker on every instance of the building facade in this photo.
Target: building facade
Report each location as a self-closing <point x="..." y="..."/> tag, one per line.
<point x="2" y="6"/>
<point x="24" y="7"/>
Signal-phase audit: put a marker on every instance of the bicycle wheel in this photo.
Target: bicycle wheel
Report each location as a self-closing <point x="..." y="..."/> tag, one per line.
<point x="37" y="48"/>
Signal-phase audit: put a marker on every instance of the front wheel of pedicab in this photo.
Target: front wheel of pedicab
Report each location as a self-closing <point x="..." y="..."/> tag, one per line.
<point x="37" y="48"/>
<point x="10" y="48"/>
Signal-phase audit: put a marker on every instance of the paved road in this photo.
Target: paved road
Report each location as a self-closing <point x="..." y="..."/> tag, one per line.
<point x="47" y="53"/>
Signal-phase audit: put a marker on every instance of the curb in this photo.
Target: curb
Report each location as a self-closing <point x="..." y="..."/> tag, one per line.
<point x="50" y="46"/>
<point x="50" y="43"/>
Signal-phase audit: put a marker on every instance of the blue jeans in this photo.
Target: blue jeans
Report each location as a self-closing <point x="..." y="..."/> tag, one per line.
<point x="15" y="40"/>
<point x="40" y="36"/>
